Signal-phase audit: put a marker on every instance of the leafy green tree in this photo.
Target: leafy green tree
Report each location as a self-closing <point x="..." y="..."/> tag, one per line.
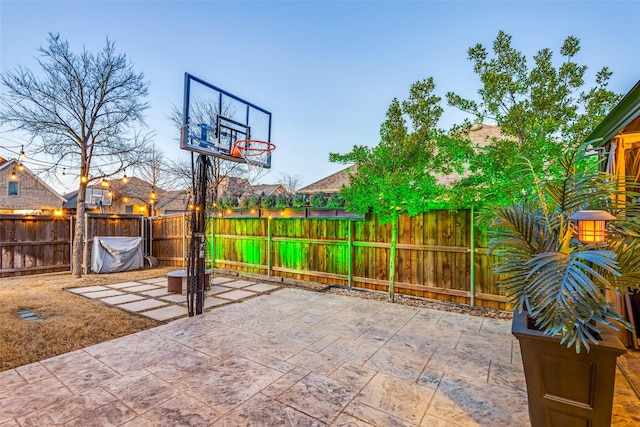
<point x="542" y="110"/>
<point x="398" y="176"/>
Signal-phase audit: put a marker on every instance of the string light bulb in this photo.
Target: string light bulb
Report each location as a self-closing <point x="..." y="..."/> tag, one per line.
<point x="20" y="166"/>
<point x="64" y="172"/>
<point x="104" y="183"/>
<point x="124" y="178"/>
<point x="22" y="154"/>
<point x="84" y="179"/>
<point x="13" y="175"/>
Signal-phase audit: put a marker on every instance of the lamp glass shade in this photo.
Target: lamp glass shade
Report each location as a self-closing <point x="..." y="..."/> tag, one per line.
<point x="592" y="225"/>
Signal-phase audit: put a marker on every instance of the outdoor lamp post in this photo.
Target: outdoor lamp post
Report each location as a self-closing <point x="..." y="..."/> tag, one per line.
<point x="592" y="225"/>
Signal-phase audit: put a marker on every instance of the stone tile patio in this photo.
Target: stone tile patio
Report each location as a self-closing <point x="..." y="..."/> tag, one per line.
<point x="291" y="357"/>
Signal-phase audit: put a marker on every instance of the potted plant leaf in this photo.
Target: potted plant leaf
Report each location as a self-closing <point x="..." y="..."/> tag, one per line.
<point x="558" y="283"/>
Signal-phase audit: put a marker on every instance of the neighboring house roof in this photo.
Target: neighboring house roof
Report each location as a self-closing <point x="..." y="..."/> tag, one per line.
<point x="269" y="189"/>
<point x="627" y="112"/>
<point x="480" y="135"/>
<point x="233" y="186"/>
<point x="331" y="184"/>
<point x="6" y="164"/>
<point x="174" y="201"/>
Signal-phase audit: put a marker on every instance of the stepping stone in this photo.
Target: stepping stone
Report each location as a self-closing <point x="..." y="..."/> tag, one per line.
<point x="123" y="285"/>
<point x="217" y="289"/>
<point x="155" y="280"/>
<point x="166" y="313"/>
<point x="175" y="298"/>
<point x="145" y="304"/>
<point x="141" y="288"/>
<point x="235" y="295"/>
<point x="220" y="280"/>
<point x="102" y="294"/>
<point x="121" y="299"/>
<point x="239" y="284"/>
<point x="156" y="292"/>
<point x="88" y="289"/>
<point x="212" y="302"/>
<point x="261" y="287"/>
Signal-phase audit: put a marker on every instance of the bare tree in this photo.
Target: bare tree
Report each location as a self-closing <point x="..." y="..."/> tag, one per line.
<point x="83" y="109"/>
<point x="157" y="170"/>
<point x="290" y="182"/>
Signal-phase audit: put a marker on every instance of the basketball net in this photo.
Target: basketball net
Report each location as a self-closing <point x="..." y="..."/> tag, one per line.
<point x="255" y="153"/>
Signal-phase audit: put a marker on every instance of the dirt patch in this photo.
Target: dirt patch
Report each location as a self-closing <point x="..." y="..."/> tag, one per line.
<point x="424" y="303"/>
<point x="68" y="322"/>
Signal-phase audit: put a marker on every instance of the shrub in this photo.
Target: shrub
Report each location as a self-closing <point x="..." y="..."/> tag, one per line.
<point x="268" y="202"/>
<point x="299" y="200"/>
<point x="335" y="201"/>
<point x="252" y="202"/>
<point x="228" y="202"/>
<point x="283" y="201"/>
<point x="318" y="200"/>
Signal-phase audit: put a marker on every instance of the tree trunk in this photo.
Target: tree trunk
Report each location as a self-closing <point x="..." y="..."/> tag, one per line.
<point x="392" y="258"/>
<point x="78" y="236"/>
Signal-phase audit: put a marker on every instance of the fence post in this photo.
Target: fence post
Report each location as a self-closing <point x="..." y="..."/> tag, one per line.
<point x="472" y="249"/>
<point x="70" y="242"/>
<point x="269" y="246"/>
<point x="85" y="254"/>
<point x="349" y="251"/>
<point x="184" y="240"/>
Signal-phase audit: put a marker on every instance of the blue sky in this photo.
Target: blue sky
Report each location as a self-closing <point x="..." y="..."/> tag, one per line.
<point x="327" y="70"/>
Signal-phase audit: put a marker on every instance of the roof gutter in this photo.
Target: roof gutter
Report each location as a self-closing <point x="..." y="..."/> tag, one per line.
<point x="621" y="115"/>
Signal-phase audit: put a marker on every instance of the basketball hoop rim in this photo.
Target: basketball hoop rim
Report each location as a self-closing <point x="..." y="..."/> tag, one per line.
<point x="264" y="147"/>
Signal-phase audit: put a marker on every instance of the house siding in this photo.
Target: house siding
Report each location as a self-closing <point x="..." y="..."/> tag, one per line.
<point x="32" y="194"/>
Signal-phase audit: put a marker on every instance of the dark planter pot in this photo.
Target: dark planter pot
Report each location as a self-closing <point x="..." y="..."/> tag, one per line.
<point x="567" y="389"/>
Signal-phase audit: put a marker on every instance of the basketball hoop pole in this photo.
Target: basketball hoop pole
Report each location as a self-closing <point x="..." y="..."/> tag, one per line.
<point x="196" y="263"/>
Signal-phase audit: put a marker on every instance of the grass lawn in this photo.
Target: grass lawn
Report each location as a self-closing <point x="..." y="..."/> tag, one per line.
<point x="70" y="322"/>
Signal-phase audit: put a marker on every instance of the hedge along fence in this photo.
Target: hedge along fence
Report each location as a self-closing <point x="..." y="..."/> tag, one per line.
<point x="433" y="257"/>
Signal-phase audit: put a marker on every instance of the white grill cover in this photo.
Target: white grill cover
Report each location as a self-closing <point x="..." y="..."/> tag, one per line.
<point x="111" y="254"/>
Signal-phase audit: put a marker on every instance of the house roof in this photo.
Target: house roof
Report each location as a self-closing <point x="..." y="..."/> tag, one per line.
<point x="13" y="163"/>
<point x="331" y="184"/>
<point x="623" y="114"/>
<point x="268" y="189"/>
<point x="480" y="135"/>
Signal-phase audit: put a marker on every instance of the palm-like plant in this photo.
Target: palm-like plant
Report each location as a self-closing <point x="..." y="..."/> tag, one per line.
<point x="545" y="270"/>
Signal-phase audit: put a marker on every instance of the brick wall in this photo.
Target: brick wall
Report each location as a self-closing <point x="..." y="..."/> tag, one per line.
<point x="32" y="193"/>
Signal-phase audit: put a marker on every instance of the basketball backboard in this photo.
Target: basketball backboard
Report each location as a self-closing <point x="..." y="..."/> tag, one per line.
<point x="213" y="119"/>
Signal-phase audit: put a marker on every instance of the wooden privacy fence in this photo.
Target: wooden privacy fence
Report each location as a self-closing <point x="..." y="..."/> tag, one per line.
<point x="433" y="259"/>
<point x="34" y="244"/>
<point x="42" y="244"/>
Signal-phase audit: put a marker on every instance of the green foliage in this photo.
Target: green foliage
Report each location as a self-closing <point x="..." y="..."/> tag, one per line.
<point x="268" y="202"/>
<point x="545" y="270"/>
<point x="335" y="201"/>
<point x="299" y="200"/>
<point x="283" y="201"/>
<point x="399" y="174"/>
<point x="227" y="202"/>
<point x="318" y="200"/>
<point x="543" y="111"/>
<point x="252" y="202"/>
